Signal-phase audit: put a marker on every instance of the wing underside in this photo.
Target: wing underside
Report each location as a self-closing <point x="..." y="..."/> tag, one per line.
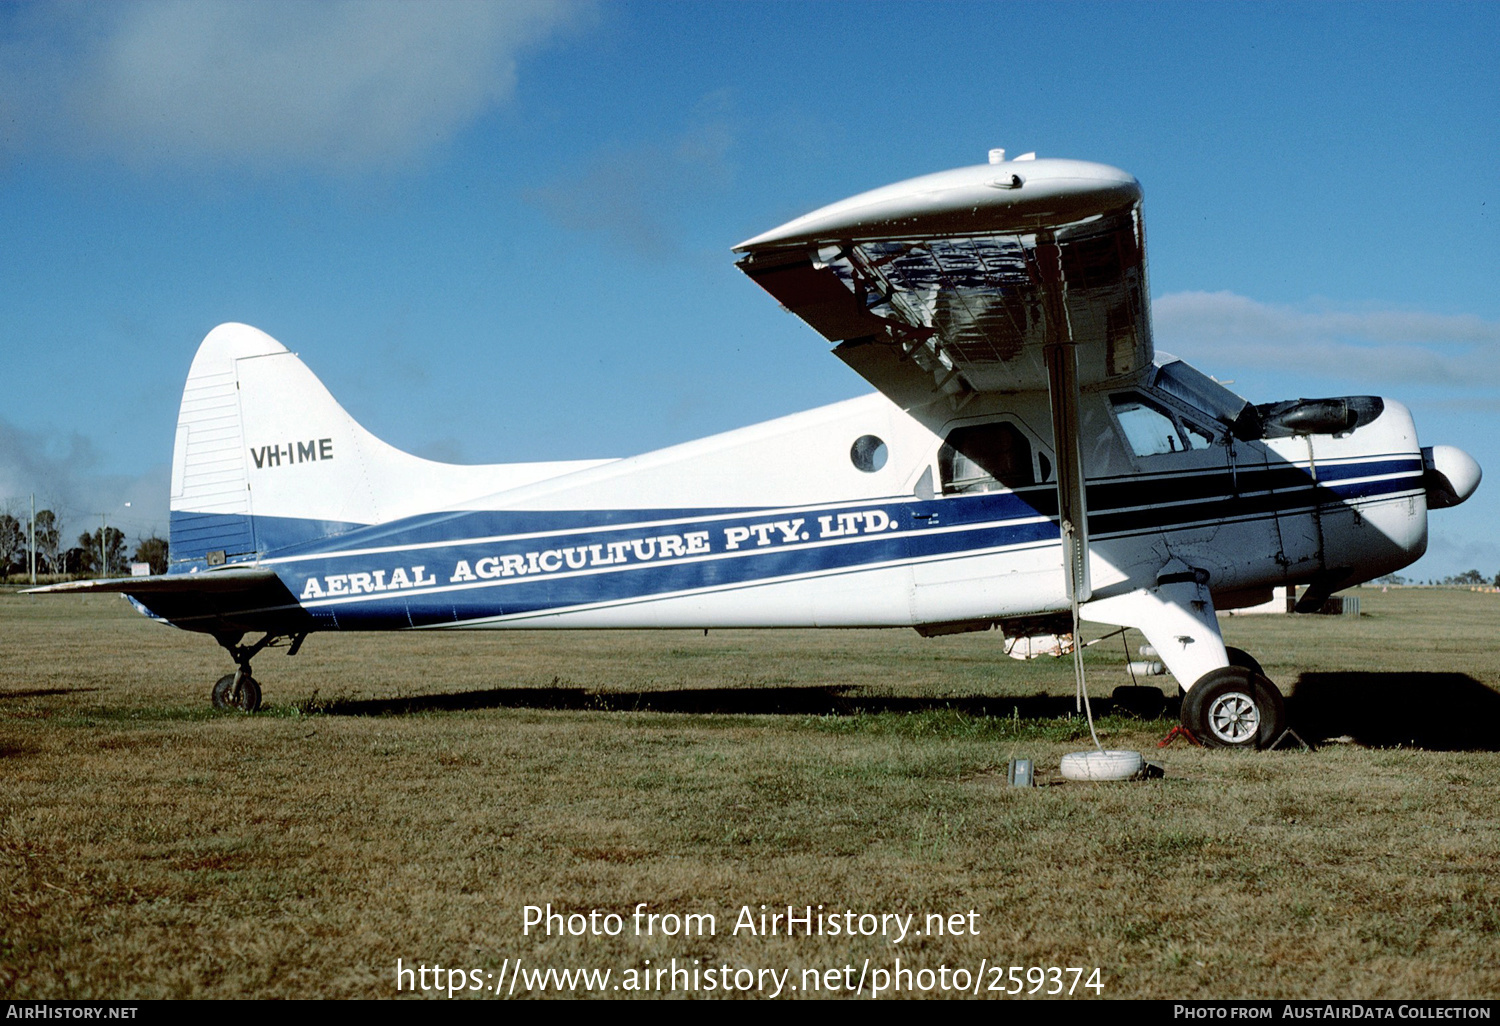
<point x="925" y="310"/>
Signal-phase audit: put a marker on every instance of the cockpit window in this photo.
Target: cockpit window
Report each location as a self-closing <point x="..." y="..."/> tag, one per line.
<point x="984" y="458"/>
<point x="1150" y="430"/>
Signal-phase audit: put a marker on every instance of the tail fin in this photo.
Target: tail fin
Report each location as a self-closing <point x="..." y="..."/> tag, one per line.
<point x="265" y="457"/>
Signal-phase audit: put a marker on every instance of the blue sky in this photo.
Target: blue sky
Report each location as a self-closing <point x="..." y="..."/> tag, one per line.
<point x="501" y="232"/>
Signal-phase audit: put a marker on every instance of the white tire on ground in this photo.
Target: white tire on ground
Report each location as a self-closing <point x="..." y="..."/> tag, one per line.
<point x="1102" y="765"/>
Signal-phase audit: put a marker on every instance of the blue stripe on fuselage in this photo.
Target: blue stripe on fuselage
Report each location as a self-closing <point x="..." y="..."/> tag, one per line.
<point x="539" y="577"/>
<point x="457" y="566"/>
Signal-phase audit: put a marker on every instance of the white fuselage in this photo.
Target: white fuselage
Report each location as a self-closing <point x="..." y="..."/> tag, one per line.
<point x="776" y="525"/>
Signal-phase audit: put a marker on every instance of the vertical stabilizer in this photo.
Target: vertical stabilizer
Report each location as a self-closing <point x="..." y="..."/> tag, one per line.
<point x="265" y="457"/>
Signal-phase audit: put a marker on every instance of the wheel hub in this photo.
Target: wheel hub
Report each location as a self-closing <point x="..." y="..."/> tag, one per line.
<point x="1233" y="718"/>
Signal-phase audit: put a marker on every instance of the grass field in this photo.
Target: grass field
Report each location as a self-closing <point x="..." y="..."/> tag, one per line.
<point x="407" y="796"/>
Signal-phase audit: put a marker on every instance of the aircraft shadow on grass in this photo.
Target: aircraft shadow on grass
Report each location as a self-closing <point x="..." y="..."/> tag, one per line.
<point x="1455" y="712"/>
<point x="763" y="701"/>
<point x="1435" y="711"/>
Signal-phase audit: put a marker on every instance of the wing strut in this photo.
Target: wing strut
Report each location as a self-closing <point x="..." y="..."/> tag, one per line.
<point x="1062" y="386"/>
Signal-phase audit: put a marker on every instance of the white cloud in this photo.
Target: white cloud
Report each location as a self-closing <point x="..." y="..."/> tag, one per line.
<point x="331" y="85"/>
<point x="1373" y="345"/>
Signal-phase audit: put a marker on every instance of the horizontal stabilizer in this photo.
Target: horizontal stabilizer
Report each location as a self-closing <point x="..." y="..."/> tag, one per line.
<point x="219" y="582"/>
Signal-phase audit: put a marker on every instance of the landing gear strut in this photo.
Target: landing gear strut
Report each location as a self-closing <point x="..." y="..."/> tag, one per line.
<point x="239" y="690"/>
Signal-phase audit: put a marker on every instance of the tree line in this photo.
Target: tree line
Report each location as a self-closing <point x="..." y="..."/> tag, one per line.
<point x="102" y="553"/>
<point x="1467" y="578"/>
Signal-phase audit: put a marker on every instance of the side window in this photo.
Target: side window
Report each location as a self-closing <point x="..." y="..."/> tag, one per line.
<point x="1197" y="437"/>
<point x="984" y="458"/>
<point x="1151" y="431"/>
<point x="1148" y="430"/>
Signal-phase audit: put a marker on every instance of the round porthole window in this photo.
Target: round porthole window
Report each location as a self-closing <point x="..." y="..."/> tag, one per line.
<point x="868" y="453"/>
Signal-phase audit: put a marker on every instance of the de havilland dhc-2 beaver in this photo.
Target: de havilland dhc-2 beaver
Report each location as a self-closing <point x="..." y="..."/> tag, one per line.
<point x="1029" y="460"/>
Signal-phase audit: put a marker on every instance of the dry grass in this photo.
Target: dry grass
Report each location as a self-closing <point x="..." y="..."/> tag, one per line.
<point x="406" y="796"/>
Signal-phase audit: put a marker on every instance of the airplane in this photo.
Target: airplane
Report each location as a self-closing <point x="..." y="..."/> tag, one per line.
<point x="1027" y="461"/>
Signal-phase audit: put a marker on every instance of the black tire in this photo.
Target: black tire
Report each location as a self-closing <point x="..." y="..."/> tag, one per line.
<point x="223" y="694"/>
<point x="1234" y="708"/>
<point x="1239" y="657"/>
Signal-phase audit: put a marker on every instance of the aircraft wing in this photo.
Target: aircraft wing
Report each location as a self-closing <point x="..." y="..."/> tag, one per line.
<point x="1005" y="277"/>
<point x="957" y="282"/>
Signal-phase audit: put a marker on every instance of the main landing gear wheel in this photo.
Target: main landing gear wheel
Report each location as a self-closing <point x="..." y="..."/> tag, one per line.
<point x="1234" y="708"/>
<point x="245" y="699"/>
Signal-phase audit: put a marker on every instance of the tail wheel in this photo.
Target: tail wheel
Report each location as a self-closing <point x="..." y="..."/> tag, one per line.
<point x="248" y="699"/>
<point x="1234" y="708"/>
